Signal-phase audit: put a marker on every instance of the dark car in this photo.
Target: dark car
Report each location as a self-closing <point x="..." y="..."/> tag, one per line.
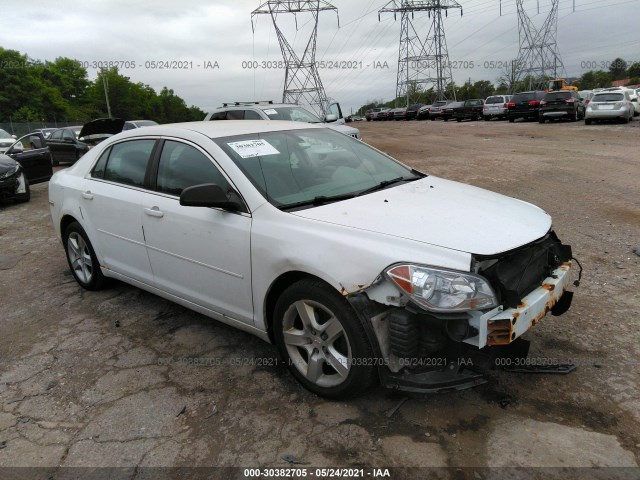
<point x="23" y="165"/>
<point x="525" y="105"/>
<point x="45" y="131"/>
<point x="471" y="109"/>
<point x="561" y="104"/>
<point x="423" y="112"/>
<point x="449" y="112"/>
<point x="435" y="110"/>
<point x="383" y="114"/>
<point x="412" y="111"/>
<point x="65" y="145"/>
<point x="399" y="113"/>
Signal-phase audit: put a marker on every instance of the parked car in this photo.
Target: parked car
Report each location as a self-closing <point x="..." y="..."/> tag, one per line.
<point x="22" y="166"/>
<point x="561" y="104"/>
<point x="383" y="114"/>
<point x="610" y="106"/>
<point x="423" y="112"/>
<point x="372" y="113"/>
<point x="633" y="96"/>
<point x="471" y="110"/>
<point x="496" y="106"/>
<point x="525" y="105"/>
<point x="399" y="113"/>
<point x="282" y="111"/>
<point x="65" y="146"/>
<point x="45" y="131"/>
<point x="98" y="130"/>
<point x="131" y="124"/>
<point x="448" y="112"/>
<point x="586" y="96"/>
<point x="435" y="110"/>
<point x="356" y="266"/>
<point x="6" y="140"/>
<point x="412" y="111"/>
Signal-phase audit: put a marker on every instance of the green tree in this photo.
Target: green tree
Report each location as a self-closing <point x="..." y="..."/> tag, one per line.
<point x="618" y="69"/>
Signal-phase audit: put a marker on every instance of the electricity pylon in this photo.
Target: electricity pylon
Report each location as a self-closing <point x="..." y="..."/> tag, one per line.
<point x="422" y="61"/>
<point x="538" y="55"/>
<point x="302" y="80"/>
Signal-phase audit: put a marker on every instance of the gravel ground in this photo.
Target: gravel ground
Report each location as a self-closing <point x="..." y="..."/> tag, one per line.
<point x="107" y="379"/>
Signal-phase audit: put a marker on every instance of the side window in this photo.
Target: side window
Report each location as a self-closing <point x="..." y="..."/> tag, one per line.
<point x="67" y="134"/>
<point x="98" y="169"/>
<point x="57" y="135"/>
<point x="235" y="115"/>
<point x="218" y="116"/>
<point x="128" y="126"/>
<point x="183" y="166"/>
<point x="128" y="162"/>
<point x="251" y="115"/>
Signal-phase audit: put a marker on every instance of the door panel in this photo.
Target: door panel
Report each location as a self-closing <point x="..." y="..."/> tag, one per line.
<point x="200" y="254"/>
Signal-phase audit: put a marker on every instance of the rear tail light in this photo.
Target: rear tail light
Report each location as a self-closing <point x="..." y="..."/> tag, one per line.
<point x="511" y="104"/>
<point x="542" y="102"/>
<point x="570" y="100"/>
<point x="534" y="103"/>
<point x="507" y="104"/>
<point x="588" y="102"/>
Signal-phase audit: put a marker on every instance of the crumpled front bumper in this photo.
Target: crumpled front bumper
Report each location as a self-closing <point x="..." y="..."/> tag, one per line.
<point x="503" y="326"/>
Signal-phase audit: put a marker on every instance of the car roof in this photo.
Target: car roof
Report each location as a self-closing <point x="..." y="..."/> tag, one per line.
<point x="226" y="129"/>
<point x="261" y="106"/>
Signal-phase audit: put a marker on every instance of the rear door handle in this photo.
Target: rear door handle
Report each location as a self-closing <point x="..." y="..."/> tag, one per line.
<point x="88" y="195"/>
<point x="154" y="212"/>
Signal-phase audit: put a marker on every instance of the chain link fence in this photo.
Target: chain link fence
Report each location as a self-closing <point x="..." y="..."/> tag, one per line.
<point x="22" y="128"/>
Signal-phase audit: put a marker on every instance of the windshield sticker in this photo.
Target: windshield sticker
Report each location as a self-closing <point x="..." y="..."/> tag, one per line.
<point x="253" y="148"/>
<point x="271" y="111"/>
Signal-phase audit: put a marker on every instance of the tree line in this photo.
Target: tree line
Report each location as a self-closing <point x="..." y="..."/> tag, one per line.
<point x="34" y="91"/>
<point x="507" y="83"/>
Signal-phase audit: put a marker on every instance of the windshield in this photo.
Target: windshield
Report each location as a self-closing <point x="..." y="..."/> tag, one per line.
<point x="294" y="114"/>
<point x="607" y="97"/>
<point x="4" y="134"/>
<point x="297" y="166"/>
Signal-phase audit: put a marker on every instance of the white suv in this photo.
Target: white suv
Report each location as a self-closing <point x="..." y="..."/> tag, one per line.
<point x="282" y="111"/>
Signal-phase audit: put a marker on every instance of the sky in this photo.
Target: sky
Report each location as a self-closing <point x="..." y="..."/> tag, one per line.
<point x="215" y="43"/>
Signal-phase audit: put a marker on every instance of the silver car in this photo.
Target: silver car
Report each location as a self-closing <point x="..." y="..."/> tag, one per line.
<point x="610" y="106"/>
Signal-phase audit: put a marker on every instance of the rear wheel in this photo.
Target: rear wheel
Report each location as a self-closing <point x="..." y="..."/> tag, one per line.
<point x="541" y="120"/>
<point x="511" y="120"/>
<point x="322" y="340"/>
<point x="587" y="121"/>
<point x="82" y="258"/>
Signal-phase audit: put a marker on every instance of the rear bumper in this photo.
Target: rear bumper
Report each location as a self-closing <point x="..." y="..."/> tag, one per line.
<point x="557" y="113"/>
<point x="606" y="114"/>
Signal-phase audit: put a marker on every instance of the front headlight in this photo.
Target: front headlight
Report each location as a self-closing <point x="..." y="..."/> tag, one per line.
<point x="442" y="290"/>
<point x="8" y="173"/>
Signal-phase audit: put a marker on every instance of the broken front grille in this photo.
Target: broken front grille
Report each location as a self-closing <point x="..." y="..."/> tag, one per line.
<point x="517" y="273"/>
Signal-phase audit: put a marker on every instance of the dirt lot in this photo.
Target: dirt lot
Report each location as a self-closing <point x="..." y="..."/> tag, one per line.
<point x="104" y="379"/>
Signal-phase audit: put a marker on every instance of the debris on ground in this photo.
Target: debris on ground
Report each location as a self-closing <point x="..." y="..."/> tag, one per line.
<point x="392" y="412"/>
<point x="293" y="460"/>
<point x="184" y="409"/>
<point x="213" y="411"/>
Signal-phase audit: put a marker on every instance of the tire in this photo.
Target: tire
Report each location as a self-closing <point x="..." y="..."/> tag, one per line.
<point x="511" y="120"/>
<point x="299" y="340"/>
<point x="625" y="120"/>
<point x="541" y="120"/>
<point x="82" y="258"/>
<point x="574" y="118"/>
<point x="54" y="162"/>
<point x="587" y="121"/>
<point x="458" y="120"/>
<point x="26" y="196"/>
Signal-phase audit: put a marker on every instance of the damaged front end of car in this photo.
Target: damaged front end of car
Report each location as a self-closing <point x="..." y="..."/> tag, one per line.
<point x="432" y="324"/>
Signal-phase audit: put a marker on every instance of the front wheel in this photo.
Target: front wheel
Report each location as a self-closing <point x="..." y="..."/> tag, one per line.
<point x="541" y="120"/>
<point x="511" y="120"/>
<point x="82" y="258"/>
<point x="322" y="340"/>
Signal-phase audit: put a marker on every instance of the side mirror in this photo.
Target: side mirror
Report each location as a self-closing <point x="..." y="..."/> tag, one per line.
<point x="15" y="148"/>
<point x="210" y="195"/>
<point x="14" y="137"/>
<point x="330" y="117"/>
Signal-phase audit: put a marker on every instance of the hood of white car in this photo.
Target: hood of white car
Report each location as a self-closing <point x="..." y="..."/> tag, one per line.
<point x="443" y="213"/>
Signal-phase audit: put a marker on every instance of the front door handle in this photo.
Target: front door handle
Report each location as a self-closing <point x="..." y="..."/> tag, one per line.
<point x="154" y="212"/>
<point x="88" y="195"/>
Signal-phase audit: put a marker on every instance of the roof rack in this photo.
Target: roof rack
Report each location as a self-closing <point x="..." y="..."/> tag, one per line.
<point x="260" y="102"/>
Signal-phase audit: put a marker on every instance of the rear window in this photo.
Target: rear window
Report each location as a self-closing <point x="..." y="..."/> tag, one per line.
<point x="551" y="96"/>
<point x="492" y="100"/>
<point x="607" y="97"/>
<point x="524" y="97"/>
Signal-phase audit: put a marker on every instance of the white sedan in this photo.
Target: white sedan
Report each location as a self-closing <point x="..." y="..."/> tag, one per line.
<point x="359" y="269"/>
